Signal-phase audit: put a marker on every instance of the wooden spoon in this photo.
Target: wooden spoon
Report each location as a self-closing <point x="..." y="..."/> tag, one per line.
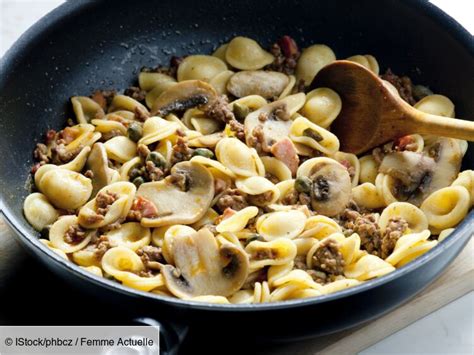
<point x="373" y="113"/>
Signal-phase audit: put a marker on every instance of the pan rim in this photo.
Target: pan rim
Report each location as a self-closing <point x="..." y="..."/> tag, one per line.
<point x="67" y="9"/>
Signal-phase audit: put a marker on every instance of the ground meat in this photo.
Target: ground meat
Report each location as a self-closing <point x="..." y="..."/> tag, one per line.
<point x="111" y="134"/>
<point x="257" y="140"/>
<point x="61" y="155"/>
<point x="74" y="234"/>
<point x="272" y="178"/>
<point x="140" y="115"/>
<point x="151" y="256"/>
<point x="181" y="179"/>
<point x="238" y="129"/>
<point x="299" y="87"/>
<point x="101" y="246"/>
<point x="403" y="85"/>
<point x="286" y="55"/>
<point x="153" y="172"/>
<point x="300" y="262"/>
<point x="328" y="259"/>
<point x="232" y="198"/>
<point x="103" y="200"/>
<point x="219" y="110"/>
<point x="261" y="199"/>
<point x="296" y="198"/>
<point x="136" y="93"/>
<point x="143" y="151"/>
<point x="103" y="97"/>
<point x="219" y="186"/>
<point x="264" y="254"/>
<point x="365" y="225"/>
<point x="181" y="151"/>
<point x="395" y="228"/>
<point x="41" y="153"/>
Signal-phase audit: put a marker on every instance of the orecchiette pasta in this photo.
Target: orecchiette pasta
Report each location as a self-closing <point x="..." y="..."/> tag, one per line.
<point x="218" y="180"/>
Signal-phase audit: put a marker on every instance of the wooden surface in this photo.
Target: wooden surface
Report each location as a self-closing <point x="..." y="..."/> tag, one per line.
<point x="456" y="281"/>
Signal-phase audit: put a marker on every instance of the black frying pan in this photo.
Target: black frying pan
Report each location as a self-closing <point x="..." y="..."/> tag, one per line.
<point x="82" y="46"/>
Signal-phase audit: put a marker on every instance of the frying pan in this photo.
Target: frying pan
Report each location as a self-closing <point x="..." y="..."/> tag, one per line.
<point x="86" y="45"/>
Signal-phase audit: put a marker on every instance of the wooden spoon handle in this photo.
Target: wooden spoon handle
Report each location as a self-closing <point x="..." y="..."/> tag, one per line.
<point x="425" y="123"/>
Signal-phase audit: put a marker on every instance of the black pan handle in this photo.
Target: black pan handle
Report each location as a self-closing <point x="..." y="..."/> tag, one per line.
<point x="171" y="334"/>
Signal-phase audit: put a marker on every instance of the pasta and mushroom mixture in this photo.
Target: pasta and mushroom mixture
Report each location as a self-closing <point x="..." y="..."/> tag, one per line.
<point x="218" y="179"/>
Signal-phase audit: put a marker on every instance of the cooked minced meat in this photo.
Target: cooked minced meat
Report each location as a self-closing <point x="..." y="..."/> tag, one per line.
<point x="181" y="151"/>
<point x="232" y="198"/>
<point x="403" y="85"/>
<point x="328" y="258"/>
<point x="104" y="98"/>
<point x="74" y="234"/>
<point x="136" y="93"/>
<point x="296" y="198"/>
<point x="41" y="153"/>
<point x="365" y="226"/>
<point x="103" y="201"/>
<point x="219" y="110"/>
<point x="261" y="199"/>
<point x="286" y="55"/>
<point x="151" y="256"/>
<point x="238" y="129"/>
<point x="395" y="228"/>
<point x="180" y="179"/>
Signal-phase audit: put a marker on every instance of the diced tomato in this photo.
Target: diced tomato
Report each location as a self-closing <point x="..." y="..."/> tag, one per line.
<point x="146" y="208"/>
<point x="285" y="151"/>
<point x="401" y="143"/>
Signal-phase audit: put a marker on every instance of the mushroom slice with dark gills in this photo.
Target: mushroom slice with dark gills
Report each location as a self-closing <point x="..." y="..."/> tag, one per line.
<point x="203" y="267"/>
<point x="330" y="185"/>
<point x="181" y="198"/>
<point x="414" y="176"/>
<point x="271" y="123"/>
<point x="182" y="96"/>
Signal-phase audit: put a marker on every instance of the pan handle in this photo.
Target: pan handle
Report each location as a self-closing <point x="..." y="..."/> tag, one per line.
<point x="172" y="335"/>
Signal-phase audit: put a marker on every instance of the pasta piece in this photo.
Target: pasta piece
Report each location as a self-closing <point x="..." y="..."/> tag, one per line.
<point x="170" y="234"/>
<point x="445" y="208"/>
<point x="368" y="267"/>
<point x="282" y="224"/>
<point x="416" y="219"/>
<point x="200" y="67"/>
<point x="210" y="299"/>
<point x="220" y="51"/>
<point x="130" y="235"/>
<point x="56" y="250"/>
<point x="320" y="227"/>
<point x="86" y="109"/>
<point x="120" y="149"/>
<point x="322" y="106"/>
<point x="156" y="129"/>
<point x="339" y="285"/>
<point x="367" y="196"/>
<point x="148" y="81"/>
<point x="445" y="233"/>
<point x="111" y="204"/>
<point x="66" y="235"/>
<point x="237" y="221"/>
<point x="124" y="102"/>
<point x="367" y="61"/>
<point x="312" y="60"/>
<point x="97" y="271"/>
<point x="38" y="211"/>
<point x="209" y="218"/>
<point x="261" y="191"/>
<point x="438" y="105"/>
<point x="368" y="169"/>
<point x="276" y="252"/>
<point x="466" y="179"/>
<point x="289" y="87"/>
<point x="237" y="157"/>
<point x="276" y="168"/>
<point x="409" y="247"/>
<point x="305" y="132"/>
<point x="245" y="54"/>
<point x="277" y="271"/>
<point x="156" y="92"/>
<point x="123" y="264"/>
<point x="64" y="188"/>
<point x="351" y="163"/>
<point x="219" y="81"/>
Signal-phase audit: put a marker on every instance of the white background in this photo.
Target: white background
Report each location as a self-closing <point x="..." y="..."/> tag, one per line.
<point x="446" y="331"/>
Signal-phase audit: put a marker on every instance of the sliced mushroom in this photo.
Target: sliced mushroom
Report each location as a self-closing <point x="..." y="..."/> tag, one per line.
<point x="273" y="128"/>
<point x="205" y="268"/>
<point x="330" y="185"/>
<point x="97" y="162"/>
<point x="268" y="84"/>
<point x="178" y="203"/>
<point x="415" y="176"/>
<point x="184" y="95"/>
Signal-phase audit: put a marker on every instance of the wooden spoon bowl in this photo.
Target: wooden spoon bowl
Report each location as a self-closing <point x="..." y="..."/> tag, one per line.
<point x="373" y="113"/>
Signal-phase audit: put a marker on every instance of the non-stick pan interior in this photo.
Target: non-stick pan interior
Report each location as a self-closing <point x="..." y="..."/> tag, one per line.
<point x="103" y="44"/>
